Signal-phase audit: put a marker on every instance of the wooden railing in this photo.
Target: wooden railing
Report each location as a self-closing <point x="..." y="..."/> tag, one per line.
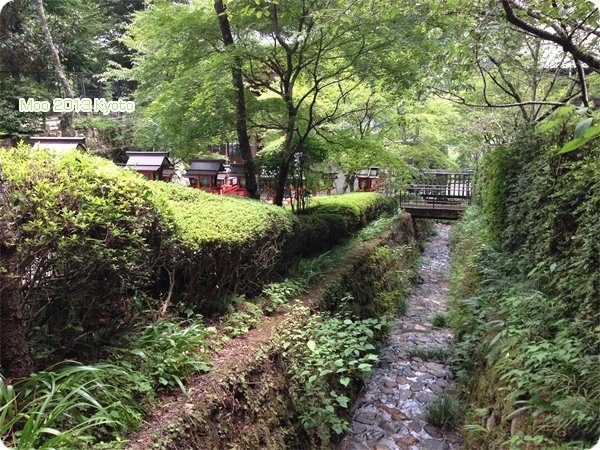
<point x="446" y="192"/>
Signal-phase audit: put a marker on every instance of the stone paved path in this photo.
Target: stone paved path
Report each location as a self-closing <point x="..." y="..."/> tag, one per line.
<point x="389" y="414"/>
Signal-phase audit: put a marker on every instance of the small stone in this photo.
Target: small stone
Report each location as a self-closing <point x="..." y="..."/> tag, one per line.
<point x="388" y="391"/>
<point x="414" y="426"/>
<point x="398" y="415"/>
<point x="516" y="425"/>
<point x="436" y="388"/>
<point x="408" y="372"/>
<point x="441" y="382"/>
<point x="366" y="417"/>
<point x="348" y="444"/>
<point x="401" y="379"/>
<point x="407" y="441"/>
<point x="426" y="397"/>
<point x="369" y="399"/>
<point x="434" y="444"/>
<point x="391" y="427"/>
<point x="404" y="394"/>
<point x="358" y="428"/>
<point x="416" y="387"/>
<point x="490" y="424"/>
<point x="434" y="432"/>
<point x="389" y="383"/>
<point x="394" y="413"/>
<point x="373" y="435"/>
<point x="381" y="447"/>
<point x="434" y="365"/>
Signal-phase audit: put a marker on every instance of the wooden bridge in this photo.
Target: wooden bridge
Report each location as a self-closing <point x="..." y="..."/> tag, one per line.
<point x="439" y="194"/>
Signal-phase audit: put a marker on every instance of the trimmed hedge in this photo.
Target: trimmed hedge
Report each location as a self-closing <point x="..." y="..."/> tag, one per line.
<point x="318" y="232"/>
<point x="358" y="208"/>
<point x="221" y="244"/>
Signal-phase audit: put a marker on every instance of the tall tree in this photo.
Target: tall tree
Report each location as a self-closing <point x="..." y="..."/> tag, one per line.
<point x="66" y="123"/>
<point x="303" y="49"/>
<point x="241" y="123"/>
<point x="494" y="65"/>
<point x="573" y="26"/>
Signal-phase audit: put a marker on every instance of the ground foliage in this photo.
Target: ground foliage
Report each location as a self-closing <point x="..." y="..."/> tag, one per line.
<point x="526" y="292"/>
<point x="70" y="405"/>
<point x="328" y="354"/>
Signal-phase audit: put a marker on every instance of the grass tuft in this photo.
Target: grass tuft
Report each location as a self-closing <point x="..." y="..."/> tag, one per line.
<point x="440" y="320"/>
<point x="444" y="413"/>
<point x="430" y="354"/>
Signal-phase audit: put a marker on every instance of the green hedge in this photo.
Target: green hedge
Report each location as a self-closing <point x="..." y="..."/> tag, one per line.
<point x="318" y="232"/>
<point x="358" y="208"/>
<point x="221" y="244"/>
<point x="529" y="256"/>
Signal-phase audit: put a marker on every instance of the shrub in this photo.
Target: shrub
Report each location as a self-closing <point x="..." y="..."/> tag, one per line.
<point x="525" y="287"/>
<point x="79" y="239"/>
<point x="439" y="320"/>
<point x="168" y="351"/>
<point x="430" y="354"/>
<point x="326" y="357"/>
<point x="65" y="407"/>
<point x="317" y="232"/>
<point x="358" y="208"/>
<point x="378" y="281"/>
<point x="222" y="244"/>
<point x="70" y="405"/>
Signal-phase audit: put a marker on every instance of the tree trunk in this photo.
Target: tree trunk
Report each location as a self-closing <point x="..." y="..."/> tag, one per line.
<point x="241" y="123"/>
<point x="66" y="121"/>
<point x="15" y="358"/>
<point x="282" y="177"/>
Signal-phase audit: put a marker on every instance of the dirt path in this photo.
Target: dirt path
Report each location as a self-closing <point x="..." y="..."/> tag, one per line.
<point x="390" y="412"/>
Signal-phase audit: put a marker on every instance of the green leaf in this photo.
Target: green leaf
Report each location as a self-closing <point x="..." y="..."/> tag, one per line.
<point x="592" y="132"/>
<point x="337" y="428"/>
<point x="50" y="431"/>
<point x="344" y="381"/>
<point x="312" y="345"/>
<point x="365" y="367"/>
<point x="343" y="401"/>
<point x="582" y="127"/>
<point x="573" y="145"/>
